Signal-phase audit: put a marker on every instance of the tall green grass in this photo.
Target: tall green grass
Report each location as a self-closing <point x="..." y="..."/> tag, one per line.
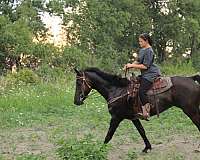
<point x="179" y="68"/>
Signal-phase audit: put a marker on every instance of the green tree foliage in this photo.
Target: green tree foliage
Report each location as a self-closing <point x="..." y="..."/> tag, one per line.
<point x="175" y="24"/>
<point x="105" y="27"/>
<point x="20" y="22"/>
<point x="15" y="39"/>
<point x="191" y="13"/>
<point x="101" y="33"/>
<point x="167" y="24"/>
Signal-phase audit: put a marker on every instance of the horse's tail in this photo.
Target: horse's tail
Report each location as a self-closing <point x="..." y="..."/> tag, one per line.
<point x="196" y="78"/>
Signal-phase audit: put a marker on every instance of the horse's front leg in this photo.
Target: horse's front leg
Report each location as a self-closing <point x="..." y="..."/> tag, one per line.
<point x="114" y="123"/>
<point x="141" y="130"/>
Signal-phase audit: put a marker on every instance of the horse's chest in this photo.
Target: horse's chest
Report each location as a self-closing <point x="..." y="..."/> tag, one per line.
<point x="121" y="111"/>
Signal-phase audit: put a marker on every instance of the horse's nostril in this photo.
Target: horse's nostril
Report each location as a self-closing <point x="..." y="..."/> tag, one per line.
<point x="81" y="98"/>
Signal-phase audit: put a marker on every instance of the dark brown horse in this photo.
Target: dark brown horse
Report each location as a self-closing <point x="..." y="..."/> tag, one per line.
<point x="184" y="94"/>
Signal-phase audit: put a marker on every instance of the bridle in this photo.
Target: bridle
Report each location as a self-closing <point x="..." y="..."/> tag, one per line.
<point x="84" y="84"/>
<point x="84" y="80"/>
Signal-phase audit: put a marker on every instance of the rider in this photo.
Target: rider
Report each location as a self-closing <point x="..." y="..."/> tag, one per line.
<point x="149" y="72"/>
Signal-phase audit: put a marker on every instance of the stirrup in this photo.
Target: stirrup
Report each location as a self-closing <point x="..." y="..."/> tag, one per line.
<point x="145" y="109"/>
<point x="142" y="117"/>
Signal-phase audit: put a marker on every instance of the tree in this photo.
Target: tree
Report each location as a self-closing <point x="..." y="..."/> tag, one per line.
<point x="175" y="24"/>
<point x="20" y="21"/>
<point x="104" y="28"/>
<point x="191" y="39"/>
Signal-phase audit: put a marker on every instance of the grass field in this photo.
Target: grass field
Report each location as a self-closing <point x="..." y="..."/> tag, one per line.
<point x="41" y="122"/>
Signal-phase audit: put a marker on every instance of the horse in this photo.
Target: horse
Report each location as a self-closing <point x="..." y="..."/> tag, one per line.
<point x="184" y="94"/>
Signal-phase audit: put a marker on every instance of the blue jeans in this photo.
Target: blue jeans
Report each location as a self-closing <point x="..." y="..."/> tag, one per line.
<point x="145" y="85"/>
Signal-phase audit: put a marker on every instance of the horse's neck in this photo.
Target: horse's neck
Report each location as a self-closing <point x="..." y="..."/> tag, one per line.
<point x="100" y="87"/>
<point x="106" y="90"/>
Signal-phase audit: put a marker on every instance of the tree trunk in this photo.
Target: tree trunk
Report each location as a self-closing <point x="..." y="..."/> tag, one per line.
<point x="193" y="46"/>
<point x="161" y="53"/>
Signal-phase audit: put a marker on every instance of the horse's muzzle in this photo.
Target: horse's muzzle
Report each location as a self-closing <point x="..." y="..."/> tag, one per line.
<point x="79" y="101"/>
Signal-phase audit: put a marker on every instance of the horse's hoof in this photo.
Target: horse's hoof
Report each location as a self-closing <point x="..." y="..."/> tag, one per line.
<point x="145" y="150"/>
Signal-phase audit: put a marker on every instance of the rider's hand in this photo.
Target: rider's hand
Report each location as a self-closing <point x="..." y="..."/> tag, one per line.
<point x="127" y="66"/>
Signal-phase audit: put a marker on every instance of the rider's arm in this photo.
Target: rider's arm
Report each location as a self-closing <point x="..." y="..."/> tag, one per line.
<point x="145" y="63"/>
<point x="137" y="66"/>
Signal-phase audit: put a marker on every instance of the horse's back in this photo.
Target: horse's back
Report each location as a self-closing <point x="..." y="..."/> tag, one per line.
<point x="185" y="91"/>
<point x="186" y="83"/>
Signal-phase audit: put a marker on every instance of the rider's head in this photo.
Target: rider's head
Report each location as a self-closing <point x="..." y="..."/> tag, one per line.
<point x="144" y="40"/>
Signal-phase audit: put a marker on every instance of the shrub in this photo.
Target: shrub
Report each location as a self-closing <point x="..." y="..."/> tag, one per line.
<point x="179" y="68"/>
<point x="48" y="73"/>
<point x="72" y="57"/>
<point x="112" y="63"/>
<point x="25" y="76"/>
<point x="84" y="149"/>
<point x="196" y="61"/>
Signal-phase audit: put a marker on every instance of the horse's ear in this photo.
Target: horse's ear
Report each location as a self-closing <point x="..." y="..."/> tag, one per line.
<point x="77" y="72"/>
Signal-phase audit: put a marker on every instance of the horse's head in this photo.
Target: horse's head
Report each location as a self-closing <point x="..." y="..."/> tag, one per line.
<point x="83" y="87"/>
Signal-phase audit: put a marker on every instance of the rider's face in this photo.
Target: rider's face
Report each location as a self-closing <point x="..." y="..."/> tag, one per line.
<point x="142" y="43"/>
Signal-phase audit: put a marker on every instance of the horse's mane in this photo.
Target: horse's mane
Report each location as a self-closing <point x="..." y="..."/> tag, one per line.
<point x="112" y="79"/>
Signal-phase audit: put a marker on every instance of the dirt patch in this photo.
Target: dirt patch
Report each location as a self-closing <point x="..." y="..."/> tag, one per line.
<point x="26" y="141"/>
<point x="175" y="147"/>
<point x="36" y="141"/>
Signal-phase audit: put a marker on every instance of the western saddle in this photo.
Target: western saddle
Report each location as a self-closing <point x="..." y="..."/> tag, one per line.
<point x="160" y="85"/>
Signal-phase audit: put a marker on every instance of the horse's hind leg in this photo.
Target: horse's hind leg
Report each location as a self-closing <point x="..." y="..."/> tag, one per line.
<point x="194" y="114"/>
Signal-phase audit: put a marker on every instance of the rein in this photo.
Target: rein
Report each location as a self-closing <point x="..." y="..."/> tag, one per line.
<point x="123" y="95"/>
<point x="116" y="98"/>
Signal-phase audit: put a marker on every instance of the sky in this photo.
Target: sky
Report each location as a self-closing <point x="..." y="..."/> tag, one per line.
<point x="54" y="24"/>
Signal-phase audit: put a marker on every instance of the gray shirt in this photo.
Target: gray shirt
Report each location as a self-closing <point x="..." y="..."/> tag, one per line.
<point x="146" y="57"/>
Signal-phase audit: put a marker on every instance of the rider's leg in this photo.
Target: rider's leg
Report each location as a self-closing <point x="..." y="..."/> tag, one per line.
<point x="145" y="85"/>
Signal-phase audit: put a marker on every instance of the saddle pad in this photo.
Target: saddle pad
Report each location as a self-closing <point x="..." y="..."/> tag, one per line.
<point x="160" y="85"/>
